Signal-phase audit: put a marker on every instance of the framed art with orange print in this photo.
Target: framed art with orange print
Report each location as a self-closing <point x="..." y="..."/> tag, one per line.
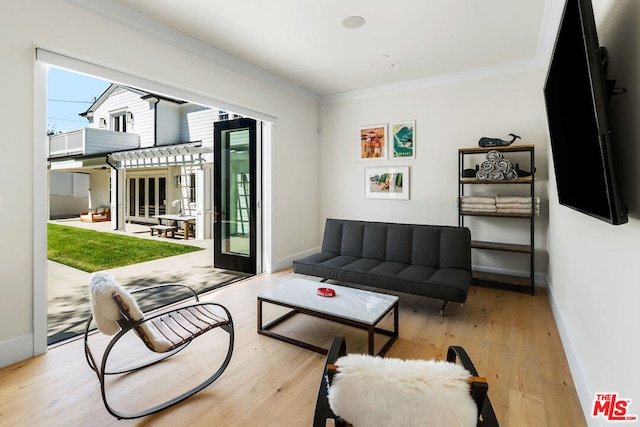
<point x="373" y="142"/>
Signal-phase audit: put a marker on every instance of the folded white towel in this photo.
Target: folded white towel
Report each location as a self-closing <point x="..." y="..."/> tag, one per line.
<point x="516" y="205"/>
<point x="478" y="208"/>
<point x="516" y="199"/>
<point x="478" y="200"/>
<point x="517" y="211"/>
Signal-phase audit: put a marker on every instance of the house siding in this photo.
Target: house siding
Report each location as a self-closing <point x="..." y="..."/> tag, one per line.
<point x="197" y="124"/>
<point x="168" y="123"/>
<point x="124" y="99"/>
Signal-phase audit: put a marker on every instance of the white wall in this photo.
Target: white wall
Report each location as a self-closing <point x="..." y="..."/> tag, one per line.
<point x="58" y="24"/>
<point x="594" y="270"/>
<point x="99" y="190"/>
<point x="448" y="117"/>
<point x="69" y="194"/>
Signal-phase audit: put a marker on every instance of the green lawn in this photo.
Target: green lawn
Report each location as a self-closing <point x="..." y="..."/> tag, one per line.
<point x="91" y="251"/>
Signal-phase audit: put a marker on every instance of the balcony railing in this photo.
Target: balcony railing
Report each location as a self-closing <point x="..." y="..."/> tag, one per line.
<point x="91" y="141"/>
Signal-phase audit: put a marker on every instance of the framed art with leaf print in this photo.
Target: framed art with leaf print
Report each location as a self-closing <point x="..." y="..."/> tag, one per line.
<point x="404" y="139"/>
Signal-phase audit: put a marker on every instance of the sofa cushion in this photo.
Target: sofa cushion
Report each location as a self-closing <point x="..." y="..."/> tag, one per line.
<point x="374" y="244"/>
<point x="399" y="242"/>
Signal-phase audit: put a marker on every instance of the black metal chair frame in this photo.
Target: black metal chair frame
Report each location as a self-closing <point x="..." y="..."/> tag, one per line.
<point x="455" y="354"/>
<point x="128" y="325"/>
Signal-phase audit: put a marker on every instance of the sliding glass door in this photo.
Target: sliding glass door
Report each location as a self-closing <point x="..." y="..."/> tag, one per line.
<point x="146" y="197"/>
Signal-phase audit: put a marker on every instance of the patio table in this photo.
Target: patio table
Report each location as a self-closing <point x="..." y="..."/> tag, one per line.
<point x="176" y="220"/>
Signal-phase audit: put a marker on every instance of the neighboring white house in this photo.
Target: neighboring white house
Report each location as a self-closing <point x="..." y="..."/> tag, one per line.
<point x="144" y="155"/>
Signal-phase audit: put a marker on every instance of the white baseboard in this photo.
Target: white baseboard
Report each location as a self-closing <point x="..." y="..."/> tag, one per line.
<point x="585" y="392"/>
<point x="287" y="262"/>
<point x="16" y="350"/>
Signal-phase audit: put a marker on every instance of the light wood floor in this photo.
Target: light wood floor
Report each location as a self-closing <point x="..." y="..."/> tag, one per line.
<point x="511" y="337"/>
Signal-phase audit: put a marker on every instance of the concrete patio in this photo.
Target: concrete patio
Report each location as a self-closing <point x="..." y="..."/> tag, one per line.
<point x="68" y="293"/>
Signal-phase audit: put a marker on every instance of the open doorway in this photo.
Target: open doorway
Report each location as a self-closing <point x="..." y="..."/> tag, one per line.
<point x="137" y="171"/>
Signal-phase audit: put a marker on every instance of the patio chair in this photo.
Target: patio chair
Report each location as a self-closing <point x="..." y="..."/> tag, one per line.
<point x="358" y="390"/>
<point x="164" y="332"/>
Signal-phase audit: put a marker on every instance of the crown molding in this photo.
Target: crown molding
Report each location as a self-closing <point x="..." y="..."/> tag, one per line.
<point x="548" y="30"/>
<point x="116" y="12"/>
<point x="445" y="79"/>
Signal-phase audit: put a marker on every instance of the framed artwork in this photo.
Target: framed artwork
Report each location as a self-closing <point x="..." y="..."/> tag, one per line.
<point x="404" y="139"/>
<point x="373" y="142"/>
<point x="387" y="182"/>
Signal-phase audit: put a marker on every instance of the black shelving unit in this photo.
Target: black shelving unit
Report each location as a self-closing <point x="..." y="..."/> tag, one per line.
<point x="502" y="281"/>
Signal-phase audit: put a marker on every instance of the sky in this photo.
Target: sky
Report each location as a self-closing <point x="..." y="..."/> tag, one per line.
<point x="68" y="95"/>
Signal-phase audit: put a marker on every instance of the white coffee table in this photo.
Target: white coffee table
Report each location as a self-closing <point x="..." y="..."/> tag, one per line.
<point x="354" y="307"/>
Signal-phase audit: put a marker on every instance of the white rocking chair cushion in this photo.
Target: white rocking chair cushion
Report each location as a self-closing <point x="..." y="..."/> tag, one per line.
<point x="107" y="313"/>
<point x="369" y="391"/>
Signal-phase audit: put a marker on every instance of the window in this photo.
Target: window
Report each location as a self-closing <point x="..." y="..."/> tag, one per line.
<point x="119" y="122"/>
<point x="192" y="188"/>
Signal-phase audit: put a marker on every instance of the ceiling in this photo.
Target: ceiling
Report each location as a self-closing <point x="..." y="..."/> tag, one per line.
<point x="304" y="42"/>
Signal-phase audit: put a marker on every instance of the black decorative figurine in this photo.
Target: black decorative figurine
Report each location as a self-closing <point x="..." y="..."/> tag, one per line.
<point x="495" y="142"/>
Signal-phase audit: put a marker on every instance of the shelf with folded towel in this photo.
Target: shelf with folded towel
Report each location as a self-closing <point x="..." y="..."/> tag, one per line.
<point x="496" y="214"/>
<point x="497" y="166"/>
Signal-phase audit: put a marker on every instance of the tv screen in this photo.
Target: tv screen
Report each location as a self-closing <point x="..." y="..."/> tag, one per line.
<point x="577" y="96"/>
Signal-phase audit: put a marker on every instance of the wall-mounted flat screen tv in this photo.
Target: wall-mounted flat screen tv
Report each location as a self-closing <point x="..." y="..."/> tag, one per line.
<point x="577" y="101"/>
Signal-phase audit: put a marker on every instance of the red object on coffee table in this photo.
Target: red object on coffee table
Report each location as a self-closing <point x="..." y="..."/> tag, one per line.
<point x="326" y="292"/>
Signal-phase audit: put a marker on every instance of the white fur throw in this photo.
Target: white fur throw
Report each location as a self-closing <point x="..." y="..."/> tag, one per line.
<point x="372" y="391"/>
<point x="106" y="311"/>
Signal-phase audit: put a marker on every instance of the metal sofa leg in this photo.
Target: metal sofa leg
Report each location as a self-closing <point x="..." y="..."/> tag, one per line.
<point x="444" y="308"/>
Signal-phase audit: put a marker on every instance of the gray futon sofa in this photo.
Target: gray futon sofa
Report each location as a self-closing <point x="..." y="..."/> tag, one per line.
<point x="427" y="260"/>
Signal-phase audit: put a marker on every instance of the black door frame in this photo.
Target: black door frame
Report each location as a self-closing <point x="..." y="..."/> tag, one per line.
<point x="235" y="262"/>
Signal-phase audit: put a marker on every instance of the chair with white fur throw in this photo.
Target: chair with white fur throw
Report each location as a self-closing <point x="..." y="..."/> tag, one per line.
<point x="164" y="332"/>
<point x="361" y="390"/>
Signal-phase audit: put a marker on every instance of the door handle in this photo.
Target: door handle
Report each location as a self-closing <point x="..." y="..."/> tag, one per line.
<point x="215" y="214"/>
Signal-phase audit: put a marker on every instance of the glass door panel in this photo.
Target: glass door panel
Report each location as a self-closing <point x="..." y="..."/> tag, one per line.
<point x="147" y="197"/>
<point x="142" y="198"/>
<point x="162" y="195"/>
<point x="234" y="195"/>
<point x="152" y="201"/>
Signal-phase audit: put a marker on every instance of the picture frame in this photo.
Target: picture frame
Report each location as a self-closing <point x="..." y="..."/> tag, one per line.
<point x="373" y="142"/>
<point x="403" y="139"/>
<point x="387" y="182"/>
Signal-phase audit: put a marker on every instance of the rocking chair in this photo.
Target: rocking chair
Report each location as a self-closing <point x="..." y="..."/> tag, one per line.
<point x="164" y="332"/>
